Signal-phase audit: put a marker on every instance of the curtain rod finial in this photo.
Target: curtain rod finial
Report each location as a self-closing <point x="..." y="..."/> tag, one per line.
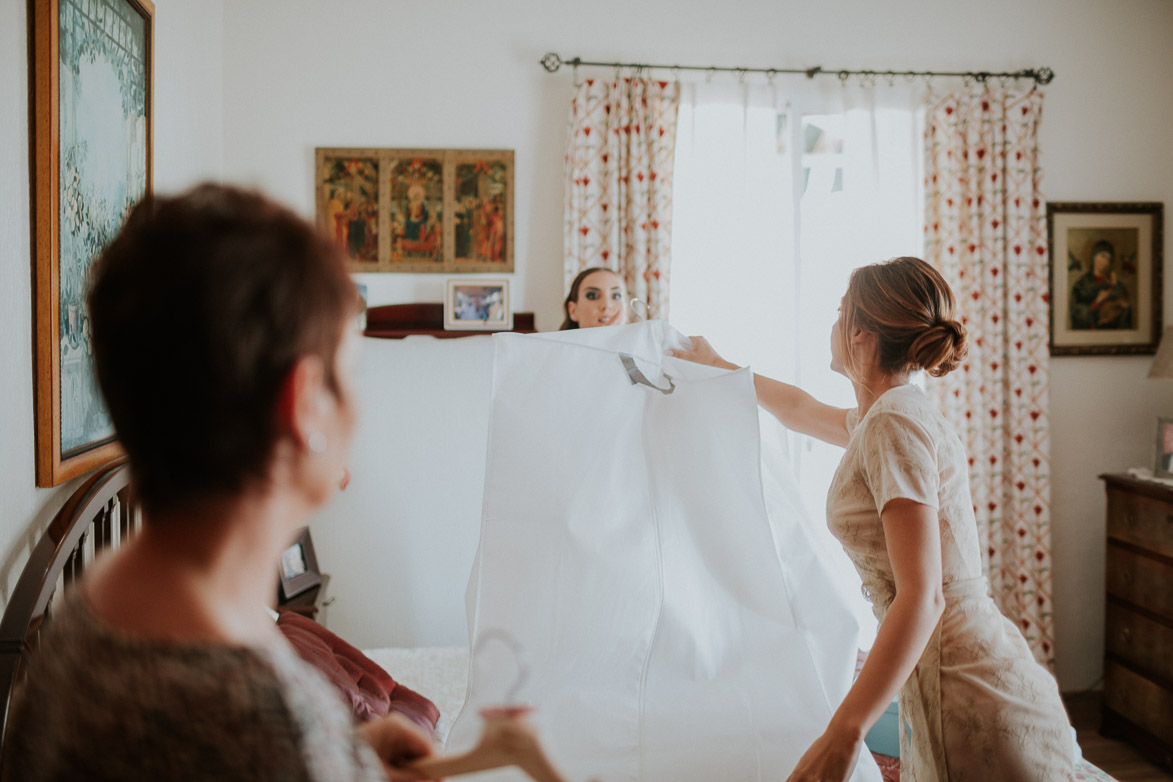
<point x="551" y="62"/>
<point x="1044" y="75"/>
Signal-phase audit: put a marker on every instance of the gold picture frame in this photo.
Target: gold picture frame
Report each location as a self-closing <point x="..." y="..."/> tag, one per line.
<point x="418" y="210"/>
<point x="91" y="95"/>
<point x="1106" y="277"/>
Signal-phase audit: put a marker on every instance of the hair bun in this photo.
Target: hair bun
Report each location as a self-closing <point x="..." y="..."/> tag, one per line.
<point x="940" y="348"/>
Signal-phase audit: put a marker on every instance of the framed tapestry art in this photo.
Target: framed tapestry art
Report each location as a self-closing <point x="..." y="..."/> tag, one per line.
<point x="418" y="210"/>
<point x="1105" y="277"/>
<point x="91" y="161"/>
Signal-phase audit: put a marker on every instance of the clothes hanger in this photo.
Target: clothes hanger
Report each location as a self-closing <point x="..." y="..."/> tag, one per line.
<point x="509" y="739"/>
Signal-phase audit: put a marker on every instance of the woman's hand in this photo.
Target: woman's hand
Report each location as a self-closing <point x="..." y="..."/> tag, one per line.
<point x="829" y="759"/>
<point x="397" y="741"/>
<point x="702" y="352"/>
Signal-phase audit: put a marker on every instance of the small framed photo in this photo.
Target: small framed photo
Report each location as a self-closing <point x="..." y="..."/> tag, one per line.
<point x="1164" y="460"/>
<point x="471" y="305"/>
<point x="299" y="566"/>
<point x="1106" y="289"/>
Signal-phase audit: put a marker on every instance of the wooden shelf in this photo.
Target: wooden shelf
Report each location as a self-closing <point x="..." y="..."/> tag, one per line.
<point x="396" y="321"/>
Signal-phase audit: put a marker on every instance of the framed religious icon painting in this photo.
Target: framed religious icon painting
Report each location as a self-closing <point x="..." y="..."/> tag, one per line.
<point x="1106" y="289"/>
<point x="348" y="204"/>
<point x="91" y="162"/>
<point x="418" y="210"/>
<point x="482" y="211"/>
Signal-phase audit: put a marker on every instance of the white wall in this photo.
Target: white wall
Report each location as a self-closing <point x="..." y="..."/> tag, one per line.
<point x="188" y="147"/>
<point x="291" y="75"/>
<point x="464" y="74"/>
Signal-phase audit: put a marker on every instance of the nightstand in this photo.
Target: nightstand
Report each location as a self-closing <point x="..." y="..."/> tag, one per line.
<point x="1138" y="621"/>
<point x="310" y="602"/>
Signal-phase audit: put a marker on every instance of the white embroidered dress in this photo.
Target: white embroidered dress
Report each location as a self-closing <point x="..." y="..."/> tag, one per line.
<point x="979" y="707"/>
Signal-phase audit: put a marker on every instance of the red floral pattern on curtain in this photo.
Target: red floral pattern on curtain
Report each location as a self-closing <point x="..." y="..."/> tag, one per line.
<point x="618" y="206"/>
<point x="986" y="231"/>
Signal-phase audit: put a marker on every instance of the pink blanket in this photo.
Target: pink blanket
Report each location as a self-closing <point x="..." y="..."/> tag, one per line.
<point x="365" y="687"/>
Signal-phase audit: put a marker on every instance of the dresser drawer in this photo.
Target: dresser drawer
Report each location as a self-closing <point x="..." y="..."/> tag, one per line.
<point x="1144" y="643"/>
<point x="1141" y="580"/>
<point x="1140" y="701"/>
<point x="1143" y="521"/>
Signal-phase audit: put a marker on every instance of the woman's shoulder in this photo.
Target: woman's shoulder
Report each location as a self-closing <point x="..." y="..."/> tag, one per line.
<point x="238" y="702"/>
<point x="907" y="401"/>
<point x="79" y="647"/>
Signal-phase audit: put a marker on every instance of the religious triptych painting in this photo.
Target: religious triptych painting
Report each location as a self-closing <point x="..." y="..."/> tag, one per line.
<point x="418" y="210"/>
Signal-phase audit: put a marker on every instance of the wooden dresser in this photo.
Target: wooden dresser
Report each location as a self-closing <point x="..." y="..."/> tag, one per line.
<point x="1138" y="644"/>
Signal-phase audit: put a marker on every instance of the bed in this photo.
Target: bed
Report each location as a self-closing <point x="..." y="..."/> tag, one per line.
<point x="101" y="513"/>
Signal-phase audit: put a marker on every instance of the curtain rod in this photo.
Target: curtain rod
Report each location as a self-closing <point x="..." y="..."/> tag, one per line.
<point x="552" y="62"/>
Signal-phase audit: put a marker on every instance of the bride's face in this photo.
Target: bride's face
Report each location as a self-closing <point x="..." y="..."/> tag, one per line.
<point x="601" y="301"/>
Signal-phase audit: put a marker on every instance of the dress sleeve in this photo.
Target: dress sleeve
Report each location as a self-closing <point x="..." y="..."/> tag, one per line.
<point x="900" y="460"/>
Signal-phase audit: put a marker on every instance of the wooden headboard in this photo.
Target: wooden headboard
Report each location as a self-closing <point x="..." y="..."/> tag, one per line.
<point x="99" y="515"/>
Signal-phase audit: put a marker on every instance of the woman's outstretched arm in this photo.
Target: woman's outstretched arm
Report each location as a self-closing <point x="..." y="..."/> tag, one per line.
<point x="795" y="408"/>
<point x="913" y="538"/>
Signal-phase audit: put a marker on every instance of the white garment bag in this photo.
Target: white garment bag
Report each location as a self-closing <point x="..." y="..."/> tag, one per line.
<point x="628" y="569"/>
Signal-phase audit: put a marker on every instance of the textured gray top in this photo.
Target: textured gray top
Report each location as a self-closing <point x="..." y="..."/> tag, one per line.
<point x="100" y="705"/>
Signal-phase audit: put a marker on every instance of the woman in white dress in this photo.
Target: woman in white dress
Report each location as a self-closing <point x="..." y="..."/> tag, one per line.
<point x="978" y="706"/>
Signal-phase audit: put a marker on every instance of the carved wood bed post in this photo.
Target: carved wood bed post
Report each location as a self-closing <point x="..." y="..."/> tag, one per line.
<point x="99" y="515"/>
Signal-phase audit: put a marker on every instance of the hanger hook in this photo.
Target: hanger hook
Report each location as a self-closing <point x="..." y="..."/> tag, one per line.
<point x="635" y="310"/>
<point x="515" y="649"/>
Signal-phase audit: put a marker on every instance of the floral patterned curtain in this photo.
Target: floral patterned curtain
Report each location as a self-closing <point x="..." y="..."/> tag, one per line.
<point x="986" y="231"/>
<point x="618" y="207"/>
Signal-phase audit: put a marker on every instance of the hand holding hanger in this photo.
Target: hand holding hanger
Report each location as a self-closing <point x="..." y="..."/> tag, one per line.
<point x="508" y="739"/>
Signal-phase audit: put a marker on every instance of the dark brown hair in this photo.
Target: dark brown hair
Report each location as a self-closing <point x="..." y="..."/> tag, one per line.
<point x="908" y="305"/>
<point x="199" y="309"/>
<point x="567" y="323"/>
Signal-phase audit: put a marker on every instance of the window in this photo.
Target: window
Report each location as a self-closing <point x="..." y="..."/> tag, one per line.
<point x="776" y="198"/>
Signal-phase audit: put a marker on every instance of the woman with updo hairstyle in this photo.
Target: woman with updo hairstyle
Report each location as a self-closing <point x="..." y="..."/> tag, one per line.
<point x="976" y="703"/>
<point x="222" y="339"/>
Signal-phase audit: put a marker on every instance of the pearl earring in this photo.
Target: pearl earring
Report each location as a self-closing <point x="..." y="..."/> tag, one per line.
<point x="316" y="442"/>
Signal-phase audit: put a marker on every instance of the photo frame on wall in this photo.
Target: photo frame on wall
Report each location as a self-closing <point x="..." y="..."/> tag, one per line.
<point x="92" y="112"/>
<point x="1163" y="462"/>
<point x="1106" y="277"/>
<point x="298" y="570"/>
<point x="477" y="305"/>
<point x="418" y="210"/>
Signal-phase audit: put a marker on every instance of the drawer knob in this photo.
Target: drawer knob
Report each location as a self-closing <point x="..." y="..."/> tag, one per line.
<point x="1130" y="519"/>
<point x="1128" y="577"/>
<point x="1126" y="634"/>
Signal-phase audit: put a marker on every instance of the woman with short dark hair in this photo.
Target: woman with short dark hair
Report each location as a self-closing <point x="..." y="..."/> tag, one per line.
<point x="220" y="324"/>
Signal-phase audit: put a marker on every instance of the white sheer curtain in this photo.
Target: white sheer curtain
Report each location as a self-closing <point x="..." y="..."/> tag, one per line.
<point x="779" y="193"/>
